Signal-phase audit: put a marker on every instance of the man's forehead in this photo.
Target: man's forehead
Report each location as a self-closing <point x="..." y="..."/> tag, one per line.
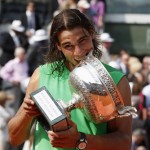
<point x="74" y="34"/>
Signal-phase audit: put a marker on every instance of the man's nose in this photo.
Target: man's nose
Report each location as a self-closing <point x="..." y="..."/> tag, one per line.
<point x="78" y="51"/>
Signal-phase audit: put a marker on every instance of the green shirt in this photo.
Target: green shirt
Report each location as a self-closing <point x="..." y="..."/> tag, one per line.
<point x="59" y="89"/>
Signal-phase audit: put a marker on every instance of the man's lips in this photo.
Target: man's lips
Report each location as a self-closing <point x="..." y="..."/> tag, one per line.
<point x="77" y="61"/>
<point x="79" y="58"/>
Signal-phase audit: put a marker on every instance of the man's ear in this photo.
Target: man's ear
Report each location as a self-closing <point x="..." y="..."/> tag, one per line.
<point x="58" y="46"/>
<point x="93" y="35"/>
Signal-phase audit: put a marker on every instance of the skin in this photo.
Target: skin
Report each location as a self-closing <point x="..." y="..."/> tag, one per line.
<point x="31" y="7"/>
<point x="107" y="45"/>
<point x="75" y="44"/>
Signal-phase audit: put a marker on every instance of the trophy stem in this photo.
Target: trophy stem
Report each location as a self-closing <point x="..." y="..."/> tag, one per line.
<point x="74" y="103"/>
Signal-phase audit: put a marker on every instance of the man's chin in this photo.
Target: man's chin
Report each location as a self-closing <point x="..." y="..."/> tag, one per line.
<point x="77" y="62"/>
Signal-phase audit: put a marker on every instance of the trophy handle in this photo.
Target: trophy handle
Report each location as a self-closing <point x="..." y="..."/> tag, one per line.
<point x="101" y="98"/>
<point x="127" y="110"/>
<point x="74" y="103"/>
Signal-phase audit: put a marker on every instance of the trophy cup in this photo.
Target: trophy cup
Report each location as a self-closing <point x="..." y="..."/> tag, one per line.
<point x="95" y="94"/>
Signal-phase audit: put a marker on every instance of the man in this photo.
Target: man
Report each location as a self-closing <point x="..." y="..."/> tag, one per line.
<point x="84" y="7"/>
<point x="107" y="41"/>
<point x="12" y="39"/>
<point x="124" y="62"/>
<point x="30" y="19"/>
<point x="37" y="50"/>
<point x="99" y="7"/>
<point x="72" y="37"/>
<point x="5" y="114"/>
<point x="146" y="91"/>
<point x="13" y="73"/>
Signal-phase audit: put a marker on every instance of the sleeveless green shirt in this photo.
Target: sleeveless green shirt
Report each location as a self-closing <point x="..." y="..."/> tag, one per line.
<point x="59" y="89"/>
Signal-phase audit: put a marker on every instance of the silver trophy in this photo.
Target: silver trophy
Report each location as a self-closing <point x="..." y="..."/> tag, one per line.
<point x="95" y="94"/>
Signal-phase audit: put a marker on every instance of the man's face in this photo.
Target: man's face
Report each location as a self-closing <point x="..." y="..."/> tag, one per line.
<point x="107" y="44"/>
<point x="125" y="59"/>
<point x="31" y="7"/>
<point x="75" y="45"/>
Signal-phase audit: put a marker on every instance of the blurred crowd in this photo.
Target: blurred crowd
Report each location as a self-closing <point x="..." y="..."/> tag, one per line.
<point x="22" y="49"/>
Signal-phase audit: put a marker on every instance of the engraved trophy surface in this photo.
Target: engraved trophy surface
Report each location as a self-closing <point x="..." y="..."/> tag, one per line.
<point x="96" y="93"/>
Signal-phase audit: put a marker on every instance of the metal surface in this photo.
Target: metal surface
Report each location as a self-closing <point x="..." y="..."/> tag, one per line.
<point x="98" y="97"/>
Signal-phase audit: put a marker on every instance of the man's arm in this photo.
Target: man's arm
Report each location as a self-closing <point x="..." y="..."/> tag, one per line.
<point x="120" y="129"/>
<point x="19" y="126"/>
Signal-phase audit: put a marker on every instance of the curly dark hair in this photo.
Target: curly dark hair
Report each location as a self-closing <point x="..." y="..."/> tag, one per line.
<point x="67" y="19"/>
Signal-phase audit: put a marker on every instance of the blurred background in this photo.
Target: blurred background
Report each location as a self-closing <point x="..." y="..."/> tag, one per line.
<point x="126" y="20"/>
<point x="123" y="26"/>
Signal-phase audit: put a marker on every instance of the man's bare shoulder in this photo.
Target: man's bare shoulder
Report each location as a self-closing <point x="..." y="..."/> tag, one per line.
<point x="125" y="91"/>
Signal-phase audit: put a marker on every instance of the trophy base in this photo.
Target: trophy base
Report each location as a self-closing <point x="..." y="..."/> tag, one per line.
<point x="59" y="126"/>
<point x="53" y="116"/>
